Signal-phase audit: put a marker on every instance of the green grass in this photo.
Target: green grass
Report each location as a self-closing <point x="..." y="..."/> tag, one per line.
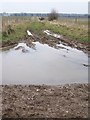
<point x="18" y="34"/>
<point x="74" y="31"/>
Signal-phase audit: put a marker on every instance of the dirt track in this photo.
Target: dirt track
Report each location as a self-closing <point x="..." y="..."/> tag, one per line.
<point x="69" y="101"/>
<point x="51" y="41"/>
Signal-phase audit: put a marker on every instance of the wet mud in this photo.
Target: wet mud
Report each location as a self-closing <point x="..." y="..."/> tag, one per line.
<point x="30" y="101"/>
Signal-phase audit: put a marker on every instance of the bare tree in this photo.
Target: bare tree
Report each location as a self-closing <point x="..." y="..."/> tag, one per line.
<point x="53" y="15"/>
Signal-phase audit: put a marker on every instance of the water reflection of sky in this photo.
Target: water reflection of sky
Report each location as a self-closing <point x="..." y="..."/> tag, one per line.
<point x="45" y="65"/>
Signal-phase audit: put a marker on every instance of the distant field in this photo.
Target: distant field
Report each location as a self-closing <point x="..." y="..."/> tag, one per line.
<point x="73" y="29"/>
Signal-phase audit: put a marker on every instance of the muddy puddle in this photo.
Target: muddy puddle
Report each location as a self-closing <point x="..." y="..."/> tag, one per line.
<point x="43" y="64"/>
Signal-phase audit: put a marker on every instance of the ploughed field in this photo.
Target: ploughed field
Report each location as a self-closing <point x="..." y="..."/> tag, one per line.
<point x="32" y="101"/>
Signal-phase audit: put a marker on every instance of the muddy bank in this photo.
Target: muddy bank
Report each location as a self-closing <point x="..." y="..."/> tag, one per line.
<point x="68" y="101"/>
<point x="69" y="42"/>
<point x="77" y="44"/>
<point x="7" y="45"/>
<point x="51" y="40"/>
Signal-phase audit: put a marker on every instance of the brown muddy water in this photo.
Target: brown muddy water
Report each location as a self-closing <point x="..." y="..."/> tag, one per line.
<point x="43" y="65"/>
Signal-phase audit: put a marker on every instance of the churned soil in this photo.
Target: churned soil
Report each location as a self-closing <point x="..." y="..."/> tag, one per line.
<point x="51" y="41"/>
<point x="35" y="101"/>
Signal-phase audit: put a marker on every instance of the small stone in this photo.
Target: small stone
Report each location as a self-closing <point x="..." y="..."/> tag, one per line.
<point x="66" y="111"/>
<point x="37" y="90"/>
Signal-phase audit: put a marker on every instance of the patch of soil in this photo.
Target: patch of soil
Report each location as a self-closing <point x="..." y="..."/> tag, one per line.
<point x="35" y="101"/>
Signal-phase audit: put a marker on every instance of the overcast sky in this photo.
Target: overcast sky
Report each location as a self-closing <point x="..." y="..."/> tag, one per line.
<point x="44" y="6"/>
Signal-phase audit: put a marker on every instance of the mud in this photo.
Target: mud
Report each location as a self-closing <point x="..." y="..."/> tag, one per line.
<point x="72" y="43"/>
<point x="42" y="101"/>
<point x="51" y="39"/>
<point x="30" y="101"/>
